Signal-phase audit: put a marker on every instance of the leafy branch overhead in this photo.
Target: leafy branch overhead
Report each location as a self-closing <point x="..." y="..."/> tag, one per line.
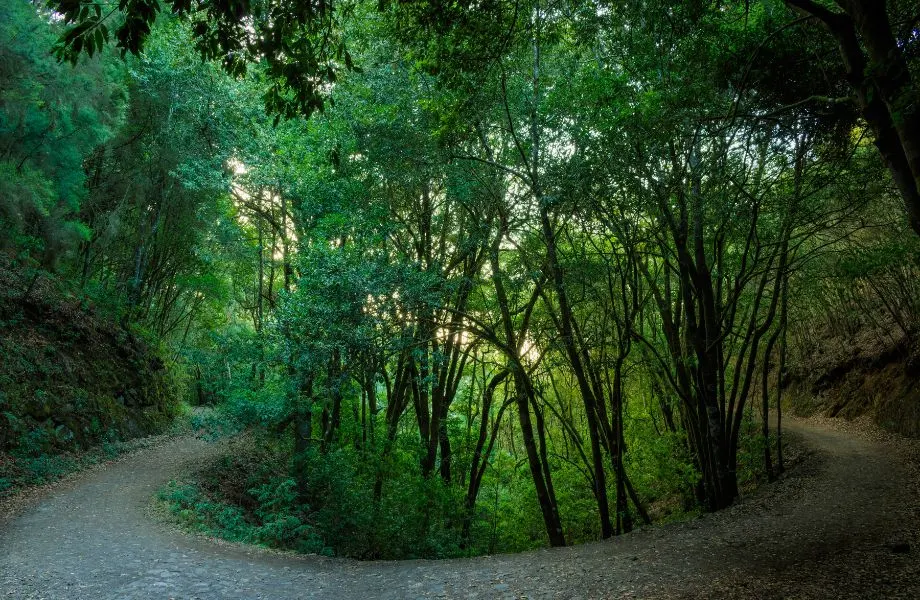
<point x="300" y="42"/>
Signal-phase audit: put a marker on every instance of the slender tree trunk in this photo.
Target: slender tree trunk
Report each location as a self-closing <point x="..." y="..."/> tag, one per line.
<point x="545" y="495"/>
<point x="482" y="451"/>
<point x="780" y="467"/>
<point x="523" y="397"/>
<point x="624" y="523"/>
<point x="765" y="408"/>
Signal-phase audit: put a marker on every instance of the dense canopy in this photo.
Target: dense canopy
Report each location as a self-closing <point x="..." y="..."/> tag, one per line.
<point x="473" y="276"/>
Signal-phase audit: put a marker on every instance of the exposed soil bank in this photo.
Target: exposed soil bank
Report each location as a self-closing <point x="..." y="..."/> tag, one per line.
<point x="874" y="373"/>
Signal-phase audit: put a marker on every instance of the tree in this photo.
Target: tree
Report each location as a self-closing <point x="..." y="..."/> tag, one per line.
<point x="51" y="119"/>
<point x="299" y="41"/>
<point x="531" y="270"/>
<point x="873" y="50"/>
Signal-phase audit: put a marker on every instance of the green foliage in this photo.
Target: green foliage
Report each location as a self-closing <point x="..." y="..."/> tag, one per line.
<point x="74" y="383"/>
<point x="246" y="497"/>
<point x="525" y="248"/>
<point x="663" y="470"/>
<point x="31" y="463"/>
<point x="300" y="43"/>
<point x="52" y="117"/>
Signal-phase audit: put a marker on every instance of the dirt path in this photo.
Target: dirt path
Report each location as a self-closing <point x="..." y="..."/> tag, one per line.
<point x="822" y="532"/>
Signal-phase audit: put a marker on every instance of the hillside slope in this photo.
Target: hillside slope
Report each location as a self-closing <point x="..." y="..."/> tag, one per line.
<point x="70" y="378"/>
<point x="873" y="372"/>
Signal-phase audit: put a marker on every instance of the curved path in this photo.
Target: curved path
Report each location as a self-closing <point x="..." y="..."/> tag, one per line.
<point x="824" y="531"/>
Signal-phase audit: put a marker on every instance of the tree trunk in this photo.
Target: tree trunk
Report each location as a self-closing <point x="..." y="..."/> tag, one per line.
<point x="884" y="92"/>
<point x="523" y="397"/>
<point x="545" y="495"/>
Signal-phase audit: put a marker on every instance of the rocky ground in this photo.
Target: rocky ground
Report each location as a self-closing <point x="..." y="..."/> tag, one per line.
<point x="844" y="523"/>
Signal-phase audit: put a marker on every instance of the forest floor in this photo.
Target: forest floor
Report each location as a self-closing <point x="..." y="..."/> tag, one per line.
<point x="844" y="523"/>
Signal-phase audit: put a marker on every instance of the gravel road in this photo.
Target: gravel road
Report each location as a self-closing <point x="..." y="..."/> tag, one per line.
<point x="835" y="527"/>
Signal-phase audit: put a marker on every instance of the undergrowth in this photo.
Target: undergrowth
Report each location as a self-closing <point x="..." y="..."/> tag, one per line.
<point x="31" y="464"/>
<point x="248" y="495"/>
<point x="22" y="468"/>
<point x="324" y="503"/>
